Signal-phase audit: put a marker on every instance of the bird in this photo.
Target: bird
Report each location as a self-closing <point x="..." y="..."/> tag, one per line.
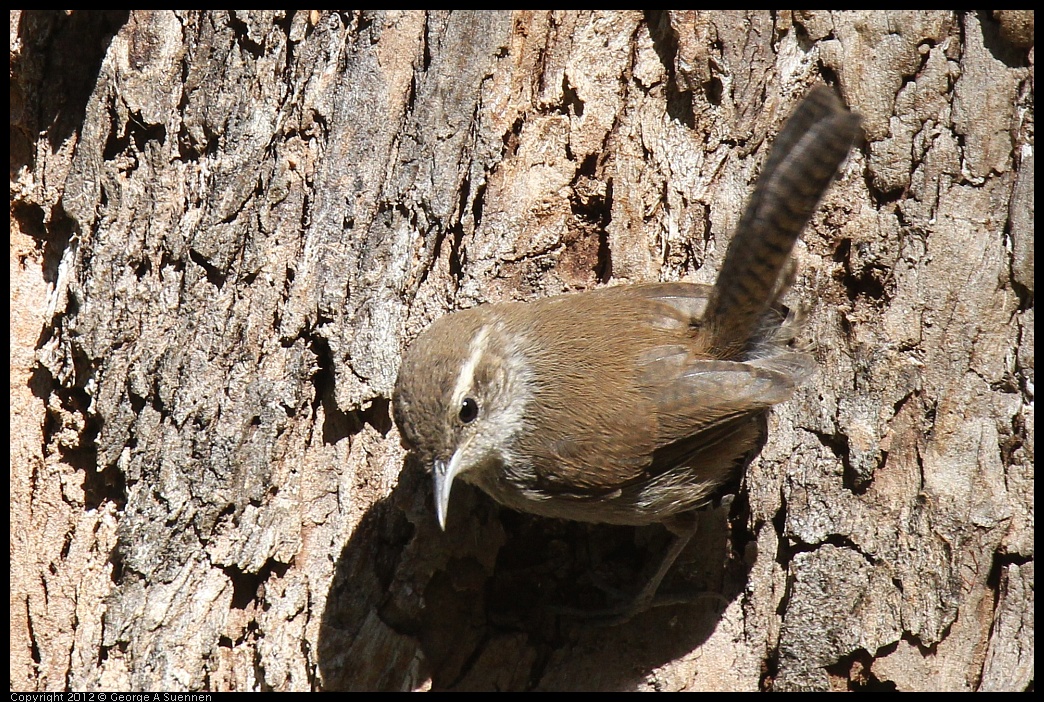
<point x="630" y="404"/>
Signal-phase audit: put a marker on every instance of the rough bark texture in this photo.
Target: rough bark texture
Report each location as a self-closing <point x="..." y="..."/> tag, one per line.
<point x="226" y="227"/>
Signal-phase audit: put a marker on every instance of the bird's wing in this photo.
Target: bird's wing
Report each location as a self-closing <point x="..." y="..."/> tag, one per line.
<point x="691" y="396"/>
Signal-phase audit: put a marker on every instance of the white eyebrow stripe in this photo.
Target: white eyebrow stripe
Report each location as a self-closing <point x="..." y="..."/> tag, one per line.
<point x="467" y="374"/>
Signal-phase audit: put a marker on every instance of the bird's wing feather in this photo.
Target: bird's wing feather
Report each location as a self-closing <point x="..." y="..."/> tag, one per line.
<point x="692" y="395"/>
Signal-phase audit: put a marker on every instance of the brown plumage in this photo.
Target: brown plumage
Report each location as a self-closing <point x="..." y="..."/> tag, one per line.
<point x="630" y="404"/>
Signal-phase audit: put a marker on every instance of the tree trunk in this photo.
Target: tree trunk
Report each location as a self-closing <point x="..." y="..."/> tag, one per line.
<point x="227" y="226"/>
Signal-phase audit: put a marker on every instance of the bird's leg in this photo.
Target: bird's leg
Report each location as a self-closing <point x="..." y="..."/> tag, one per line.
<point x="683" y="528"/>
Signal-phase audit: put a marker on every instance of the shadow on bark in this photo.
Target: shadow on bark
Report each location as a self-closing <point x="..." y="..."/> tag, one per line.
<point x="475" y="608"/>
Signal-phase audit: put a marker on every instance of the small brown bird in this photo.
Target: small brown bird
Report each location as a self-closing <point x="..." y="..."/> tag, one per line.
<point x="630" y="404"/>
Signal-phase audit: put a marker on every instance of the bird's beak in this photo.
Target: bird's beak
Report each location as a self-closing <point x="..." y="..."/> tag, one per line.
<point x="444" y="473"/>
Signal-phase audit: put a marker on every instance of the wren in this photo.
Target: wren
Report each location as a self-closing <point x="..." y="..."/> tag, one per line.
<point x="630" y="404"/>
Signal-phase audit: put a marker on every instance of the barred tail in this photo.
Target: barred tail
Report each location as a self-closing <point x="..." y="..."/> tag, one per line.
<point x="803" y="161"/>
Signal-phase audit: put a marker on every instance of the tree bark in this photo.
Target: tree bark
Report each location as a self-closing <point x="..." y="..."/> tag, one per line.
<point x="226" y="226"/>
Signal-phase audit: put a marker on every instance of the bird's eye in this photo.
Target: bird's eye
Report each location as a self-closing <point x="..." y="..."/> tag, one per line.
<point x="468" y="410"/>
